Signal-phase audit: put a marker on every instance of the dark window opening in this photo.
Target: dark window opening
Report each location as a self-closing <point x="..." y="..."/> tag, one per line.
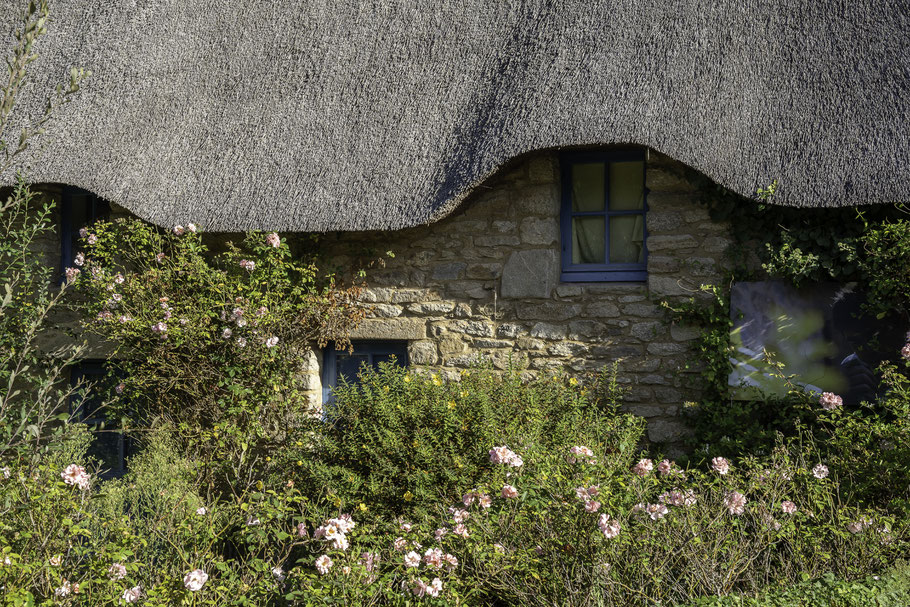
<point x="341" y="363"/>
<point x="78" y="209"/>
<point x="108" y="446"/>
<point x="602" y="221"/>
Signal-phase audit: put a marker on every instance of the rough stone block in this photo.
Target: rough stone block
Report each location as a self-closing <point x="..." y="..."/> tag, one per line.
<point x="662" y="180"/>
<point x="665" y="394"/>
<point x="532" y="273"/>
<point x="529" y="343"/>
<point x="484" y="271"/>
<point x="542" y="169"/>
<point x="462" y="310"/>
<point x="666" y="349"/>
<point x="584" y="329"/>
<point x="540" y="200"/>
<point x="566" y="349"/>
<point x="666" y="285"/>
<point x="603" y="309"/>
<point x="539" y="231"/>
<point x="701" y="266"/>
<point x="550" y="310"/>
<point x="509" y="330"/>
<point x="468" y="226"/>
<point x="476" y="328"/>
<point x="422" y="353"/>
<point x="671" y="243"/>
<point x="644" y="310"/>
<point x="391" y="328"/>
<point x="492" y="344"/>
<point x="657" y="263"/>
<point x="565" y="290"/>
<point x="504" y="227"/>
<point x="648" y="330"/>
<point x="409" y="295"/>
<point x="664" y="222"/>
<point x="448" y="271"/>
<point x="715" y="244"/>
<point x="684" y="332"/>
<point x="548" y="331"/>
<point x="434" y="308"/>
<point x="451" y="345"/>
<point x="386" y="310"/>
<point x="496" y="240"/>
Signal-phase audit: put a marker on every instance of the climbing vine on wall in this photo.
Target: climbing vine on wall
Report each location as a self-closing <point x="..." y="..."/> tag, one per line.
<point x="867" y="246"/>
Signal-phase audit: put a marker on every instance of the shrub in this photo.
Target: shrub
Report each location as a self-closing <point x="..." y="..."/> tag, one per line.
<point x="212" y="342"/>
<point x="399" y="441"/>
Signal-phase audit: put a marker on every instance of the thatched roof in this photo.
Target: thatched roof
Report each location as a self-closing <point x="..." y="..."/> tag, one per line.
<point x="324" y="115"/>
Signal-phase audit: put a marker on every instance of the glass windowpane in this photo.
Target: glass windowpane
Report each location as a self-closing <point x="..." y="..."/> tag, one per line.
<point x="385" y="358"/>
<point x="588" y="240"/>
<point x="626" y="236"/>
<point x="349" y="366"/>
<point x="627" y="186"/>
<point x="588" y="187"/>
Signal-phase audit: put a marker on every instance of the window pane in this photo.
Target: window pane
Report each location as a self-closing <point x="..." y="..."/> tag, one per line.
<point x="386" y="358"/>
<point x="627" y="186"/>
<point x="626" y="235"/>
<point x="349" y="367"/>
<point x="588" y="240"/>
<point x="588" y="187"/>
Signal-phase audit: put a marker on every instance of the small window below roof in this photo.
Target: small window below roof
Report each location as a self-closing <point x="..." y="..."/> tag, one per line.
<point x="603" y="216"/>
<point x="78" y="208"/>
<point x="343" y="364"/>
<point x="108" y="446"/>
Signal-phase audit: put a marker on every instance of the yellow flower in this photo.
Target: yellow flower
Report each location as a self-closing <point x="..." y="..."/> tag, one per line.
<point x="363" y="507"/>
<point x="407" y="379"/>
<point x="385" y="388"/>
<point x="451" y="404"/>
<point x="436" y="381"/>
<point x="259" y="485"/>
<point x="408" y="496"/>
<point x="299" y="462"/>
<point x="573" y="381"/>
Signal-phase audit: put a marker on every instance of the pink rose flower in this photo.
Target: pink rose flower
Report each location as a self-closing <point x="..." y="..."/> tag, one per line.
<point x="735" y="502"/>
<point x="509" y="492"/>
<point x="643" y="467"/>
<point x="721" y="465"/>
<point x="609" y="527"/>
<point x="273" y="240"/>
<point x="830" y="401"/>
<point x="820" y="471"/>
<point x="323" y="564"/>
<point x="195" y="580"/>
<point x="788" y="507"/>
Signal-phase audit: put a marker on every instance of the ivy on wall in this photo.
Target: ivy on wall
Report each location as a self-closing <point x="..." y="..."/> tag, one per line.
<point x="867" y="246"/>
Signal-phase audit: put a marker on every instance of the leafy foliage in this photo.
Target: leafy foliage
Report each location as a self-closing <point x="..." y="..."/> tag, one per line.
<point x="399" y="441"/>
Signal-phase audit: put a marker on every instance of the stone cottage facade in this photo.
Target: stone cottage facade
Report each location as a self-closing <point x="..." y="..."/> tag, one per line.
<point x="484" y="284"/>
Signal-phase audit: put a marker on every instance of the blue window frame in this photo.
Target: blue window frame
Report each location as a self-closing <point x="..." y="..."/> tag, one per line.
<point x="108" y="446"/>
<point x="341" y="363"/>
<point x="78" y="208"/>
<point x="604" y="205"/>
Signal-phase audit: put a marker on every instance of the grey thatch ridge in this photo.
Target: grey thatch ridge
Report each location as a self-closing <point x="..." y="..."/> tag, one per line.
<point x="342" y="115"/>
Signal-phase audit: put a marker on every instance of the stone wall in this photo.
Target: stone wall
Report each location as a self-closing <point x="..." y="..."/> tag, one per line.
<point x="485" y="282"/>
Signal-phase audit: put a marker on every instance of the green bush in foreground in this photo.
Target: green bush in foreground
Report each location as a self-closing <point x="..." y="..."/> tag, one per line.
<point x="400" y="442"/>
<point x="553" y="510"/>
<point x="891" y="589"/>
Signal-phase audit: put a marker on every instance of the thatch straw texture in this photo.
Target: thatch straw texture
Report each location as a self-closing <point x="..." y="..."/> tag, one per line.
<point x="380" y="114"/>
